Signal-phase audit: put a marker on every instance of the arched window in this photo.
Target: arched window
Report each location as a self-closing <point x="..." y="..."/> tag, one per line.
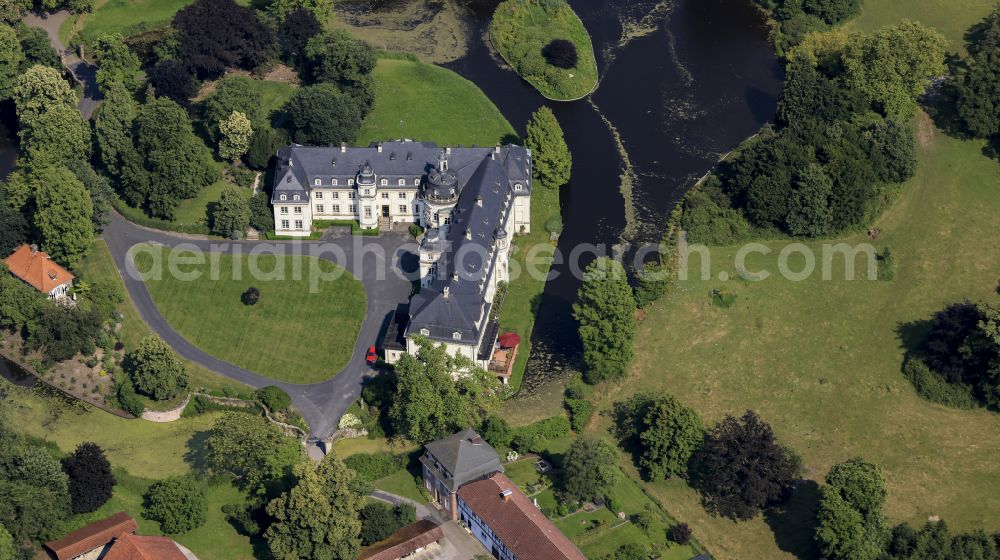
<point x="517" y="187"/>
<point x="318" y="181"/>
<point x="384" y="181"/>
<point x="350" y="181"/>
<point x="295" y="197"/>
<point x="402" y="182"/>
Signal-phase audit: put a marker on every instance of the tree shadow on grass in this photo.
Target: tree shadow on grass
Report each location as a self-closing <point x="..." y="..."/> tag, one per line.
<point x="197" y="452"/>
<point x="794" y="522"/>
<point x="913" y="335"/>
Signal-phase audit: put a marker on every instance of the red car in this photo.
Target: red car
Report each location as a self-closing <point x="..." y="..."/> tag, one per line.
<point x="371" y="357"/>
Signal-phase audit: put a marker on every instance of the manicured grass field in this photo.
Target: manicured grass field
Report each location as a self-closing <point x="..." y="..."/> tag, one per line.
<point x="520" y="29"/>
<point x="127" y="17"/>
<point x="195" y="210"/>
<point x="950" y="17"/>
<point x="98" y="266"/>
<point x="302" y="330"/>
<point x="820" y="360"/>
<point x="434" y="104"/>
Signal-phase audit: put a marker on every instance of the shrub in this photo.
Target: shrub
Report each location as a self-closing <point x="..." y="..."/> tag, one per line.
<point x="497" y="432"/>
<point x="126" y="398"/>
<point x="241" y="517"/>
<point x="274" y="398"/>
<point x="373" y="466"/>
<point x="722" y="298"/>
<point x="177" y="504"/>
<point x="580" y="413"/>
<point x="532" y="438"/>
<point x="886" y="265"/>
<point x="416" y="230"/>
<point x="379" y="520"/>
<point x="934" y="388"/>
<point x="680" y="534"/>
<point x="554" y="224"/>
<point x="561" y="53"/>
<point x="645" y="520"/>
<point x="251" y="296"/>
<point x="631" y="551"/>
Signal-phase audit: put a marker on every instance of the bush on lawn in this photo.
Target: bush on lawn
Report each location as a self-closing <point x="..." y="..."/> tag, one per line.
<point x="251" y="296"/>
<point x="274" y="398"/>
<point x="680" y="534"/>
<point x="177" y="504"/>
<point x="533" y="437"/>
<point x="373" y="466"/>
<point x="934" y="388"/>
<point x="580" y="413"/>
<point x="561" y="53"/>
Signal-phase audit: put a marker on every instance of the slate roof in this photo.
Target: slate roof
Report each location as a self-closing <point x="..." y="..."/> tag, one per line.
<point x="463" y="457"/>
<point x="37" y="269"/>
<point x="92" y="536"/>
<point x="521" y="526"/>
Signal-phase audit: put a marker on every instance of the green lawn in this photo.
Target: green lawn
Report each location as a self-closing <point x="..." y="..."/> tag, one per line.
<point x="98" y="266"/>
<point x="193" y="211"/>
<point x="145" y="449"/>
<point x="820" y="360"/>
<point x="434" y="104"/>
<point x="520" y="29"/>
<point x="127" y="17"/>
<point x="302" y="330"/>
<point x="401" y="483"/>
<point x="950" y="17"/>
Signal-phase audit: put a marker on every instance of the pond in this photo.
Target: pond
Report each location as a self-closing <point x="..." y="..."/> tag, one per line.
<point x="13" y="373"/>
<point x="682" y="83"/>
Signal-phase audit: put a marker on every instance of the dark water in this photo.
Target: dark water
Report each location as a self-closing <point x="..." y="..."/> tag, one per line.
<point x="700" y="79"/>
<point x="13" y="373"/>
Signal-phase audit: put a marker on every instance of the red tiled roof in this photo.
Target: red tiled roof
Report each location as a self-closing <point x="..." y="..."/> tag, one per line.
<point x="134" y="547"/>
<point x="37" y="269"/>
<point x="519" y="524"/>
<point x="95" y="535"/>
<point x="404" y="541"/>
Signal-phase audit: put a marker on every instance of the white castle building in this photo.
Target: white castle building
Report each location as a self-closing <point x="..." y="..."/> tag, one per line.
<point x="471" y="202"/>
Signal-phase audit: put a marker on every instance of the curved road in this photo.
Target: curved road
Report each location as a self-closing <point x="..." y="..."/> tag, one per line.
<point x="377" y="262"/>
<point x="83" y="72"/>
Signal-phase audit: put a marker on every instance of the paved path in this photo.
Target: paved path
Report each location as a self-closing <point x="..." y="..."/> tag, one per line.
<point x="84" y="73"/>
<point x="375" y="261"/>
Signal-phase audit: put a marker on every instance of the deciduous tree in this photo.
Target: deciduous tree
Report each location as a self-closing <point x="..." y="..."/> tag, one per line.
<point x="116" y="63"/>
<point x="113" y="128"/>
<point x="590" y="469"/>
<point x="235" y="133"/>
<point x="550" y="154"/>
<point x="322" y="115"/>
<point x="218" y="34"/>
<point x="605" y="310"/>
<point x="90" y="480"/>
<point x="232" y="94"/>
<point x="671" y="433"/>
<point x="850" y="520"/>
<point x="296" y="29"/>
<point x="250" y="448"/>
<point x="338" y="58"/>
<point x="156" y="370"/>
<point x="64" y="215"/>
<point x="171" y="79"/>
<point x="11" y="58"/>
<point x="742" y="468"/>
<point x="809" y="208"/>
<point x="177" y="503"/>
<point x="318" y="517"/>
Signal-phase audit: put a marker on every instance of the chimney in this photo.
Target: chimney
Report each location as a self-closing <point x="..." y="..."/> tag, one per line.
<point x="34" y="248"/>
<point x="505" y="495"/>
<point x="343" y="147"/>
<point x="476" y="440"/>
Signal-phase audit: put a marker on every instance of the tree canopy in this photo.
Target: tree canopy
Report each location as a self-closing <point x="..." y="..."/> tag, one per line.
<point x="850" y="519"/>
<point x="429" y="403"/>
<point x="64" y="215"/>
<point x="322" y="115"/>
<point x="116" y="63"/>
<point x="218" y="34"/>
<point x="550" y="154"/>
<point x="177" y="503"/>
<point x="156" y="370"/>
<point x="605" y="310"/>
<point x="590" y="469"/>
<point x="742" y="469"/>
<point x="90" y="480"/>
<point x="318" y="516"/>
<point x="250" y="448"/>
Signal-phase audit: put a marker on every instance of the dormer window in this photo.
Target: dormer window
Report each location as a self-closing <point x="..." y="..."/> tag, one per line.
<point x="517" y="187"/>
<point x="384" y="181"/>
<point x="456" y="335"/>
<point x="295" y="197"/>
<point x="425" y="332"/>
<point x="350" y="181"/>
<point x="283" y="197"/>
<point x="318" y="181"/>
<point x="402" y="182"/>
<point x="333" y="182"/>
<point x="416" y="182"/>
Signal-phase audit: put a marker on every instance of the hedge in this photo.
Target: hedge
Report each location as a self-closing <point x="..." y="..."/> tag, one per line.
<point x="373" y="466"/>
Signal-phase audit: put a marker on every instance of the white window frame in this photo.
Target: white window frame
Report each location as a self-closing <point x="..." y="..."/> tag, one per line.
<point x="402" y="182"/>
<point x="333" y="181"/>
<point x="284" y="224"/>
<point x="318" y="181"/>
<point x="284" y="210"/>
<point x="319" y="195"/>
<point x="298" y="224"/>
<point x="336" y="209"/>
<point x="319" y="209"/>
<point x="385" y="196"/>
<point x="403" y="209"/>
<point x="283" y="197"/>
<point x="297" y="210"/>
<point x="295" y="197"/>
<point x="384" y="181"/>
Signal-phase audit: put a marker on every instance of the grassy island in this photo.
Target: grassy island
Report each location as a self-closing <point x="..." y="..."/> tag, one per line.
<point x="523" y="31"/>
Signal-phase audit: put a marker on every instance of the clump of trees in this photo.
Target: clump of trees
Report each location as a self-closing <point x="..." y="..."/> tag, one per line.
<point x="379" y="521"/>
<point x="958" y="362"/>
<point x="214" y="35"/>
<point x="605" y="310"/>
<point x="250" y="448"/>
<point x="429" y="403"/>
<point x="840" y="139"/>
<point x="850" y="522"/>
<point x="796" y="18"/>
<point x="661" y="433"/>
<point x="550" y="156"/>
<point x="973" y="87"/>
<point x="590" y="470"/>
